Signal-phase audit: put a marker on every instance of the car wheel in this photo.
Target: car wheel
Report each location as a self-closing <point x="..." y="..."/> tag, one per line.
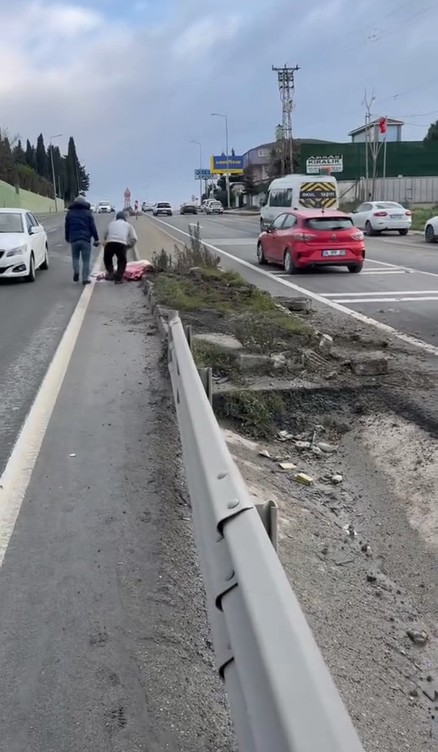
<point x="261" y="254"/>
<point x="429" y="234"/>
<point x="31" y="276"/>
<point x="369" y="228"/>
<point x="355" y="268"/>
<point x="288" y="263"/>
<point x="403" y="232"/>
<point x="45" y="264"/>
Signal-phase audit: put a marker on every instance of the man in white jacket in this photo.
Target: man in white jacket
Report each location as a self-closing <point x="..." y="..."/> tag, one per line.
<point x="120" y="236"/>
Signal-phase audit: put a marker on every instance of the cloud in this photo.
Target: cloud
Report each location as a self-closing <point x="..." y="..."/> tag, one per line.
<point x="136" y="84"/>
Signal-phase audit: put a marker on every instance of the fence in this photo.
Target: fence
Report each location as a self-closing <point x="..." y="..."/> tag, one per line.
<point x="422" y="190"/>
<point x="281" y="694"/>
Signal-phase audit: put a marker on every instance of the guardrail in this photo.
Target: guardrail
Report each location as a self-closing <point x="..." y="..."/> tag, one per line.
<point x="281" y="695"/>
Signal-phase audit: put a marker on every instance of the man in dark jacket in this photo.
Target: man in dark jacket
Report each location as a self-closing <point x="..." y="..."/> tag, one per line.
<point x="80" y="228"/>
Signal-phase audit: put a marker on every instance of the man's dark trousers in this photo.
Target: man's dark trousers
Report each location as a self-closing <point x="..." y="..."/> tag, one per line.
<point x="120" y="251"/>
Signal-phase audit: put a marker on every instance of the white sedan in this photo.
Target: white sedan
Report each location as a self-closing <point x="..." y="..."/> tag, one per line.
<point x="23" y="245"/>
<point x="431" y="230"/>
<point x="374" y="217"/>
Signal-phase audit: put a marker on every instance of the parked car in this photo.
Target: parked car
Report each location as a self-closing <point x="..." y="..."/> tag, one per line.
<point x="23" y="245"/>
<point x="163" y="207"/>
<point x="189" y="208"/>
<point x="431" y="230"/>
<point x="311" y="238"/>
<point x="375" y="217"/>
<point x="203" y="207"/>
<point x="147" y="206"/>
<point x="214" y="207"/>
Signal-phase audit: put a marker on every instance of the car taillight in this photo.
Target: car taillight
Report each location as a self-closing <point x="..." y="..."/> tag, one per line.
<point x="304" y="236"/>
<point x="357" y="236"/>
<point x="380" y="214"/>
<point x="408" y="214"/>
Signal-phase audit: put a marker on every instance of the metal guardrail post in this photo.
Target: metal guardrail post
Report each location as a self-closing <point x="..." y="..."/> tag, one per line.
<point x="281" y="694"/>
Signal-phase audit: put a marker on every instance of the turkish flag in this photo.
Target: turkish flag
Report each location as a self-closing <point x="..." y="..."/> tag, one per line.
<point x="382" y="125"/>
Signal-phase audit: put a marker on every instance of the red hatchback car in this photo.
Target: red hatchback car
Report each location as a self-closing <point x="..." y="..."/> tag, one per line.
<point x="309" y="238"/>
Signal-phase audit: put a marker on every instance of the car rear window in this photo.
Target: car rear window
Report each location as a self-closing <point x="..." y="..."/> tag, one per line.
<point x="329" y="223"/>
<point x="163" y="205"/>
<point x="388" y="205"/>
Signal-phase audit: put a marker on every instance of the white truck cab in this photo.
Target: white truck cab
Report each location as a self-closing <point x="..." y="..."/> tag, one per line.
<point x="299" y="192"/>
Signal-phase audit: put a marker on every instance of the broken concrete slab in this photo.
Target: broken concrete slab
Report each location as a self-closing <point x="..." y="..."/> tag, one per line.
<point x="254" y="362"/>
<point x="225" y="342"/>
<point x="370" y="364"/>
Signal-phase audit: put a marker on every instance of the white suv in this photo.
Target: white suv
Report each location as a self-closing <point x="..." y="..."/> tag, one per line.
<point x="163" y="207"/>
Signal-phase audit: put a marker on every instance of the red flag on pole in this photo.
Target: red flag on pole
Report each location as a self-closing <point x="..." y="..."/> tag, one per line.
<point x="382" y="125"/>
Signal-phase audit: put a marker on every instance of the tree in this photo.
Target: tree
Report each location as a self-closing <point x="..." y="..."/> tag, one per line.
<point x="432" y="133"/>
<point x="276" y="167"/>
<point x="248" y="180"/>
<point x="18" y="153"/>
<point x="30" y="155"/>
<point x="42" y="167"/>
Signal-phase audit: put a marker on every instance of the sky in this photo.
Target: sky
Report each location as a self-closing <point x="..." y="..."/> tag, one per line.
<point x="136" y="81"/>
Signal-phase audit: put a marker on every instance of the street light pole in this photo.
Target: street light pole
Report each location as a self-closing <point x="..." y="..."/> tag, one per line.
<point x="227" y="177"/>
<point x="58" y="135"/>
<point x="200" y="168"/>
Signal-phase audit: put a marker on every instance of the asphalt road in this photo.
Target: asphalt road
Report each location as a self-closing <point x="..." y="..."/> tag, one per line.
<point x="103" y="638"/>
<point x="34" y="318"/>
<point x="398" y="285"/>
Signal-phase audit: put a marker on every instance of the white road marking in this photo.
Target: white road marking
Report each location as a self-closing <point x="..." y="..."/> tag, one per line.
<point x="17" y="473"/>
<point x="384" y="271"/>
<point x="407" y="338"/>
<point x="232" y="241"/>
<point x="352" y="301"/>
<point x="358" y="294"/>
<point x="406" y="268"/>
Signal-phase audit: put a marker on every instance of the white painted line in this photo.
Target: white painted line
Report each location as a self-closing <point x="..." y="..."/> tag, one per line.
<point x="350" y="301"/>
<point x="406" y="268"/>
<point x="403" y="292"/>
<point x="17" y="473"/>
<point x="407" y="338"/>
<point x="383" y="272"/>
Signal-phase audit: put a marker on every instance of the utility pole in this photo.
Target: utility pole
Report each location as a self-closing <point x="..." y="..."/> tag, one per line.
<point x="198" y="143"/>
<point x="286" y="85"/>
<point x="369" y="146"/>
<point x="227" y="177"/>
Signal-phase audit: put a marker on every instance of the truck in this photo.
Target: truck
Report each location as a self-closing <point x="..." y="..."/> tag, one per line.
<point x="298" y="192"/>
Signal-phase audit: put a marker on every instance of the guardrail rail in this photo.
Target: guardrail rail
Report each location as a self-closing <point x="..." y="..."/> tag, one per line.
<point x="281" y="694"/>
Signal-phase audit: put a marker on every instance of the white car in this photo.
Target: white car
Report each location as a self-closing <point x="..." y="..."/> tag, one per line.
<point x="104" y="208"/>
<point x="162" y="207"/>
<point x="214" y="207"/>
<point x="431" y="230"/>
<point x="23" y="245"/>
<point x="374" y="217"/>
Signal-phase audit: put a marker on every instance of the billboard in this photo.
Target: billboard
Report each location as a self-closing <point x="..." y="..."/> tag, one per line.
<point x="315" y="165"/>
<point x="218" y="165"/>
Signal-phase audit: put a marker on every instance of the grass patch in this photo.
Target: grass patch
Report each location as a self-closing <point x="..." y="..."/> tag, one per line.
<point x="420" y="215"/>
<point x="257" y="413"/>
<point x="208" y="355"/>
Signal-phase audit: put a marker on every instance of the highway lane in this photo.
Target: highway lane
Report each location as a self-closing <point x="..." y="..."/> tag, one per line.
<point x="398" y="286"/>
<point x="34" y="317"/>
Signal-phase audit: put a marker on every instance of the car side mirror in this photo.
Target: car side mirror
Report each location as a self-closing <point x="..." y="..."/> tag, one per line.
<point x="34" y="230"/>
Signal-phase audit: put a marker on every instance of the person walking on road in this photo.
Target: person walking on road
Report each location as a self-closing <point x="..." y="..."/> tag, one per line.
<point x="120" y="236"/>
<point x="80" y="228"/>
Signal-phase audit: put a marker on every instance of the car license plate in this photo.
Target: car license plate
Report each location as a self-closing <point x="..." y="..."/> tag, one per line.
<point x="396" y="216"/>
<point x="333" y="253"/>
